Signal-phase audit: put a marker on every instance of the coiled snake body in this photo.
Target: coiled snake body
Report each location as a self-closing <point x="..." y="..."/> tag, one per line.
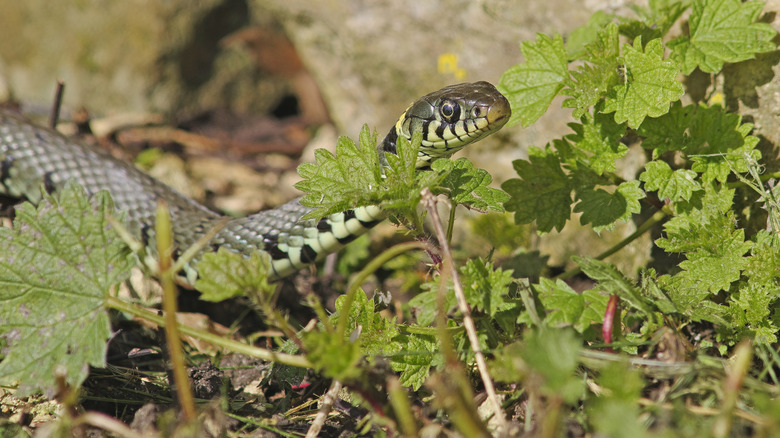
<point x="32" y="156"/>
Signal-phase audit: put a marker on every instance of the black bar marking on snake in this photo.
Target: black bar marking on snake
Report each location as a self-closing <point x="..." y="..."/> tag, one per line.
<point x="324" y="226"/>
<point x="308" y="254"/>
<point x="48" y="183"/>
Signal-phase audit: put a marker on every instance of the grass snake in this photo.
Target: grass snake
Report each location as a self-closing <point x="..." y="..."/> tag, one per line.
<point x="32" y="156"/>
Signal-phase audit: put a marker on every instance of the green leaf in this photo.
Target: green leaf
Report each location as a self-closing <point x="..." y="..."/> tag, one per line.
<point x="485" y="287"/>
<point x="531" y="87"/>
<point x="588" y="34"/>
<point x="374" y="330"/>
<point x="617" y="413"/>
<point x="669" y="131"/>
<point x="591" y="81"/>
<point x="715" y="258"/>
<point x="720" y="144"/>
<point x="470" y="186"/>
<point x="226" y="274"/>
<point x="673" y="185"/>
<point x="414" y="355"/>
<point x="566" y="307"/>
<point x="542" y="193"/>
<point x="553" y="355"/>
<point x="599" y="136"/>
<point x="614" y="283"/>
<point x="602" y="209"/>
<point x="751" y="308"/>
<point x="336" y="358"/>
<point x="700" y="210"/>
<point x="57" y="268"/>
<point x="654" y="21"/>
<point x="722" y="31"/>
<point x="336" y="184"/>
<point x="649" y="84"/>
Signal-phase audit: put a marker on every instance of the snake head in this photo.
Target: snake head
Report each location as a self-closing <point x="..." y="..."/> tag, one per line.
<point x="450" y="119"/>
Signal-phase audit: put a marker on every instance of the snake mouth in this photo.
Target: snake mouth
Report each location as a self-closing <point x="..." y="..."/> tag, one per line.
<point x="499" y="112"/>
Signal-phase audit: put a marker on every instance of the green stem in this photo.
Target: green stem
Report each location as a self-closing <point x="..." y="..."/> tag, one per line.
<point x="235" y="346"/>
<point x="173" y="338"/>
<point x="659" y="216"/>
<point x="372" y="266"/>
<point x="764" y="178"/>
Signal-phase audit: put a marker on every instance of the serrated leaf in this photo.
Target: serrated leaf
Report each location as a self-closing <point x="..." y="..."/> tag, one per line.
<point x="602" y="209"/>
<point x="374" y="330"/>
<point x="542" y="193"/>
<point x="469" y="186"/>
<point x="531" y="87"/>
<point x="671" y="184"/>
<point x="714" y="250"/>
<point x="590" y="82"/>
<point x="599" y="136"/>
<point x="336" y="184"/>
<point x="226" y="274"/>
<point x="413" y="356"/>
<point x="552" y="354"/>
<point x="649" y="84"/>
<point x="586" y="35"/>
<point x="722" y="31"/>
<point x="614" y="282"/>
<point x="335" y="358"/>
<point x="57" y="267"/>
<point x="485" y="287"/>
<point x="669" y="131"/>
<point x="566" y="307"/>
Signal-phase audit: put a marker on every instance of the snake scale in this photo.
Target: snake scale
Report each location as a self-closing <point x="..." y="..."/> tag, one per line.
<point x="32" y="156"/>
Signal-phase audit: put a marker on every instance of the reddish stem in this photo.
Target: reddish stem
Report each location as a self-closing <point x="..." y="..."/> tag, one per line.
<point x="609" y="320"/>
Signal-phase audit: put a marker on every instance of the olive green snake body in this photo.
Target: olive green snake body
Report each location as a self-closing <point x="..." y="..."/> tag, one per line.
<point x="32" y="156"/>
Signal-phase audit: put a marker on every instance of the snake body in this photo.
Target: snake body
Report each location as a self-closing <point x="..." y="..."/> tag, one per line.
<point x="32" y="156"/>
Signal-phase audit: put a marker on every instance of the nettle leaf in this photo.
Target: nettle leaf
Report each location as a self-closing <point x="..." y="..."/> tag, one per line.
<point x="614" y="282"/>
<point x="542" y="193"/>
<point x="722" y="31"/>
<point x="374" y="330"/>
<point x="413" y="356"/>
<point x="703" y="206"/>
<point x="336" y="184"/>
<point x="715" y="258"/>
<point x="649" y="84"/>
<point x="669" y="131"/>
<point x="226" y="274"/>
<point x="586" y="35"/>
<point x="486" y="289"/>
<point x="57" y="267"/>
<point x="531" y="87"/>
<point x="603" y="209"/>
<point x="599" y="136"/>
<point x="751" y="308"/>
<point x="567" y="307"/>
<point x="594" y="78"/>
<point x="470" y="186"/>
<point x="671" y="184"/>
<point x="654" y="21"/>
<point x="721" y="145"/>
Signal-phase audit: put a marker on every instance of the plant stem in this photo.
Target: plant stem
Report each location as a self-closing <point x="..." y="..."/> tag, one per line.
<point x="659" y="216"/>
<point x="364" y="273"/>
<point x="219" y="341"/>
<point x="173" y="338"/>
<point x="471" y="330"/>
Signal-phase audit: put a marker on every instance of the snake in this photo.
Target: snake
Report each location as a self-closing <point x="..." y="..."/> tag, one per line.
<point x="34" y="159"/>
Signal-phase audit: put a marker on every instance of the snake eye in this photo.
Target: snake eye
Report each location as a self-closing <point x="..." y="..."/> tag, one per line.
<point x="476" y="112"/>
<point x="449" y="110"/>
